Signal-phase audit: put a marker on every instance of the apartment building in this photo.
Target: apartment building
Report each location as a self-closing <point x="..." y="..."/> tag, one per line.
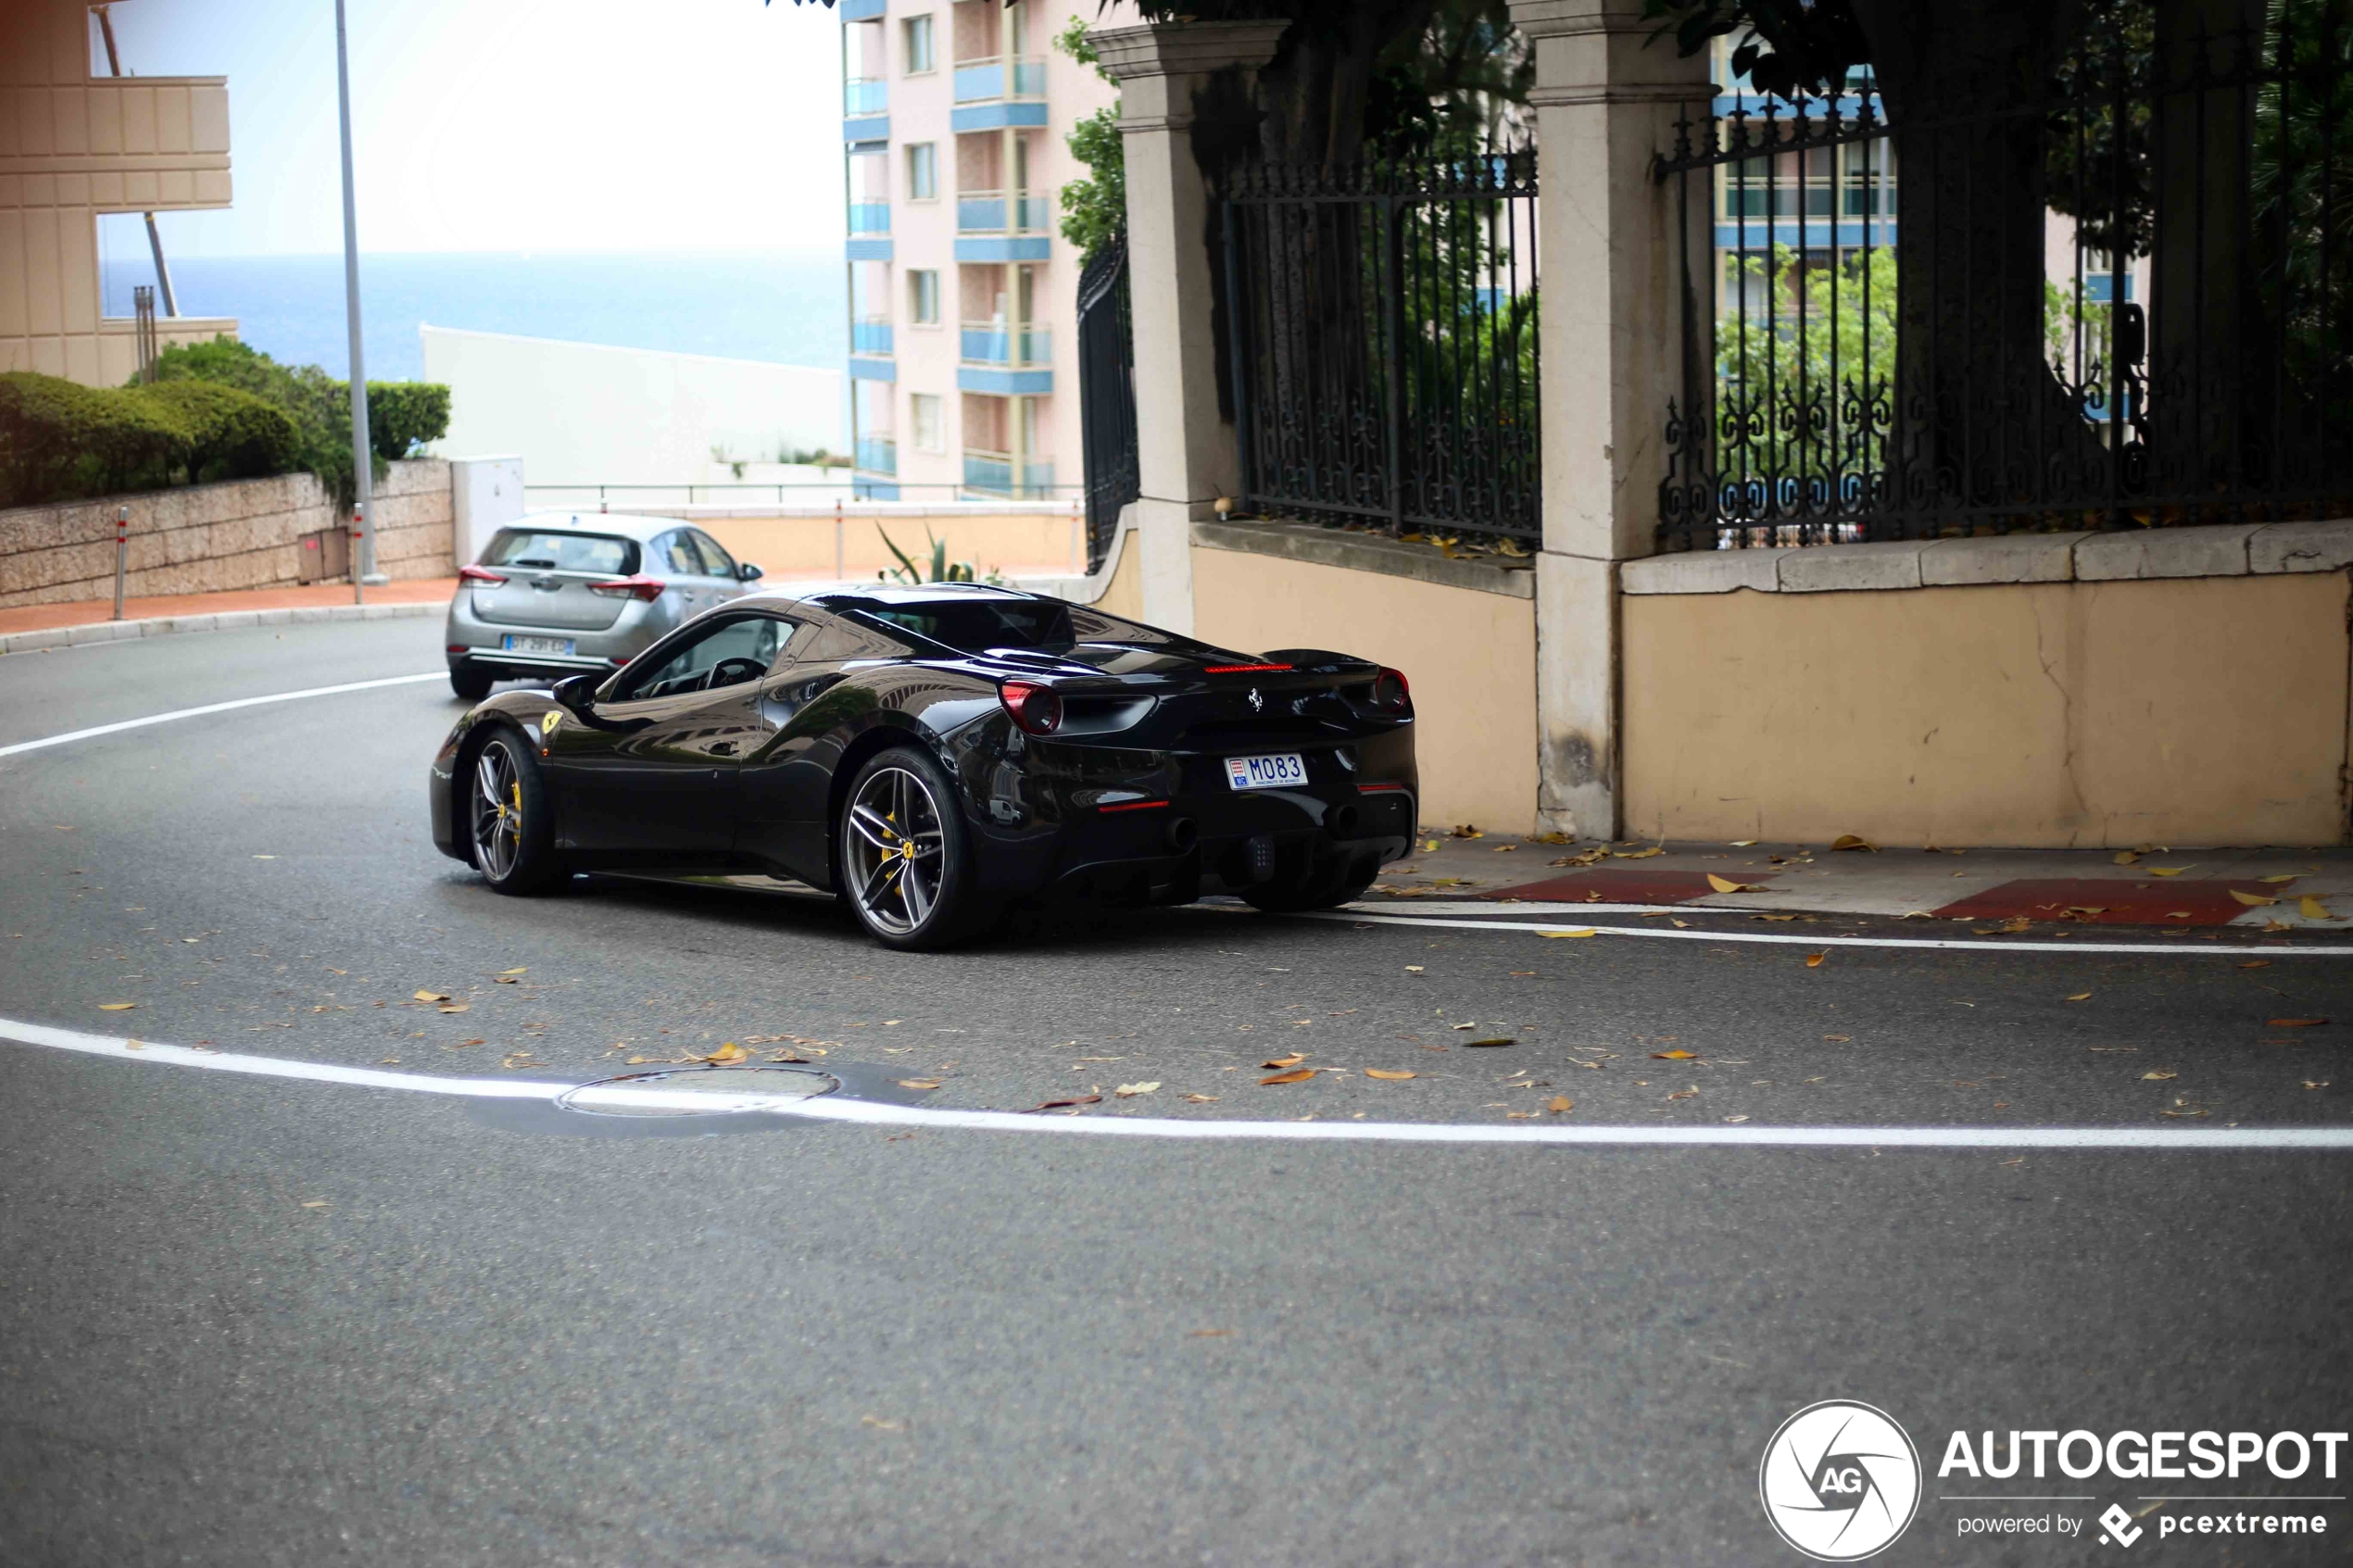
<point x="963" y="293"/>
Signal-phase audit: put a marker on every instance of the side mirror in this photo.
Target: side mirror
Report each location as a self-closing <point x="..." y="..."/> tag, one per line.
<point x="575" y="692"/>
<point x="747" y="573"/>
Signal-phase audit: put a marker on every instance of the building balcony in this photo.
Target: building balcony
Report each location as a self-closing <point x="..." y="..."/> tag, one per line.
<point x="865" y="96"/>
<point x="870" y="217"/>
<point x="860" y="10"/>
<point x="993" y="93"/>
<point x="994" y="342"/>
<point x="992" y="474"/>
<point x="988" y="212"/>
<point x="869" y="335"/>
<point x="877" y="454"/>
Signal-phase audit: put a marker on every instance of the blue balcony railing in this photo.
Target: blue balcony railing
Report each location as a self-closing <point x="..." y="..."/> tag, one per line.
<point x="870" y="336"/>
<point x="870" y="217"/>
<point x="994" y="342"/>
<point x="984" y="212"/>
<point x="991" y="473"/>
<point x="869" y="94"/>
<point x="877" y="454"/>
<point x="984" y="81"/>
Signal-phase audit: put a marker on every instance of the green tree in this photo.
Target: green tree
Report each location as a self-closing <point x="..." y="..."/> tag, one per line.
<point x="1094" y="208"/>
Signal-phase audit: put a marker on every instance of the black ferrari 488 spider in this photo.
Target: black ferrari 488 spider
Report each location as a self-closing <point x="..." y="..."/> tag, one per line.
<point x="930" y="754"/>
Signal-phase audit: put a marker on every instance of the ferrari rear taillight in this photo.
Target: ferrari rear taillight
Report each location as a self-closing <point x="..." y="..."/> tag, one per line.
<point x="1392" y="695"/>
<point x="636" y="587"/>
<point x="479" y="574"/>
<point x="1034" y="708"/>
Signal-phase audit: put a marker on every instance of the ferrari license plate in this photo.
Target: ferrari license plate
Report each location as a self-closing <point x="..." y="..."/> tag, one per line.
<point x="538" y="645"/>
<point x="1282" y="770"/>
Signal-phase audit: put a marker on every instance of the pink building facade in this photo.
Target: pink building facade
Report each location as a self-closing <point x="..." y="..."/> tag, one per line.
<point x="962" y="293"/>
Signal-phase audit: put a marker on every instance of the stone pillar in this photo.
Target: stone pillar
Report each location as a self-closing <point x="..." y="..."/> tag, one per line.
<point x="1607" y="100"/>
<point x="1185" y="455"/>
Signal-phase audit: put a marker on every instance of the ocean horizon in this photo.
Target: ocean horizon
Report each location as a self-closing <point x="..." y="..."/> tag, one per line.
<point x="787" y="308"/>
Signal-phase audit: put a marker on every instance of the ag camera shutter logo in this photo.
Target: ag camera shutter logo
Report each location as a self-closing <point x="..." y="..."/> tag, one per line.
<point x="1840" y="1481"/>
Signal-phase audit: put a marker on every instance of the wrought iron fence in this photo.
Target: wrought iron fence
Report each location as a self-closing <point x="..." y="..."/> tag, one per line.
<point x="1106" y="394"/>
<point x="1382" y="342"/>
<point x="2116" y="298"/>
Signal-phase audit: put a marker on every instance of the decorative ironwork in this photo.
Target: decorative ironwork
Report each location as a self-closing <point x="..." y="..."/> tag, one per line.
<point x="1106" y="394"/>
<point x="2117" y="299"/>
<point x="1381" y="324"/>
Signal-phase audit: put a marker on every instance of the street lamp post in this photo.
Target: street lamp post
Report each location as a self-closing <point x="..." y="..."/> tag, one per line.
<point x="363" y="561"/>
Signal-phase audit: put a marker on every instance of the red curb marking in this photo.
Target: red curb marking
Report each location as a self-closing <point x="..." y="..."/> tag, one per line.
<point x="1617" y="886"/>
<point x="2120" y="901"/>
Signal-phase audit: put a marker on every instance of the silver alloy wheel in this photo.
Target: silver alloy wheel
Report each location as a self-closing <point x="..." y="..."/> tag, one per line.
<point x="895" y="852"/>
<point x="498" y="811"/>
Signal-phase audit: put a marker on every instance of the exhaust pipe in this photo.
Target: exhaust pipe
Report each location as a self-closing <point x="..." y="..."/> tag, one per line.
<point x="1342" y="821"/>
<point x="1182" y="835"/>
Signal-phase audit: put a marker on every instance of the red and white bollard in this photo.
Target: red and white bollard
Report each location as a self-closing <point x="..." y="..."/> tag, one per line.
<point x="121" y="554"/>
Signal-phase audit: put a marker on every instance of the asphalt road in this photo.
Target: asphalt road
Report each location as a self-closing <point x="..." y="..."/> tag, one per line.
<point x="258" y="1321"/>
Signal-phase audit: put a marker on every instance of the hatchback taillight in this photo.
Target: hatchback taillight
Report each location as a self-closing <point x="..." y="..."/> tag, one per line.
<point x="479" y="574"/>
<point x="637" y="587"/>
<point x="1034" y="707"/>
<point x="1392" y="695"/>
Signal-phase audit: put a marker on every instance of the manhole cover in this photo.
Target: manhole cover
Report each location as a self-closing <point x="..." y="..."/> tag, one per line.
<point x="695" y="1091"/>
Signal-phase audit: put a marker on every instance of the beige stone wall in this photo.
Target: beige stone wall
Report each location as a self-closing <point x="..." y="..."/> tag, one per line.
<point x="2189" y="711"/>
<point x="1470" y="657"/>
<point x="1015" y="542"/>
<point x="202" y="538"/>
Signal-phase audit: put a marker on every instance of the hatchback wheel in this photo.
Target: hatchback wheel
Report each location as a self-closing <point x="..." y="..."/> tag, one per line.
<point x="470" y="683"/>
<point x="508" y="808"/>
<point x="905" y="867"/>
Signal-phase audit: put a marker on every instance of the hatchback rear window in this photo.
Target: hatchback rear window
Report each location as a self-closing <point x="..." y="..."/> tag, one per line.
<point x="551" y="551"/>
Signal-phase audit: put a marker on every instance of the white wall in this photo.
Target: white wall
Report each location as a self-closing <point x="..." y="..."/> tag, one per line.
<point x="584" y="413"/>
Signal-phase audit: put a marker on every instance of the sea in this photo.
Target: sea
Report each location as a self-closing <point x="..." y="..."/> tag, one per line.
<point x="788" y="308"/>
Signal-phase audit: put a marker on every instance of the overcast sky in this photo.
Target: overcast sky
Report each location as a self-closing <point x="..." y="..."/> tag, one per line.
<point x="513" y="124"/>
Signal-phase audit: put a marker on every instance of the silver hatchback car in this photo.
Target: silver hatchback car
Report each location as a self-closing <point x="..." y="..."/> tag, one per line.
<point x="558" y="594"/>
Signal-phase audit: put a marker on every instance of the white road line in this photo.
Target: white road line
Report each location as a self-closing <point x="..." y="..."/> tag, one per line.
<point x="95" y="729"/>
<point x="840" y="1109"/>
<point x="2286" y="950"/>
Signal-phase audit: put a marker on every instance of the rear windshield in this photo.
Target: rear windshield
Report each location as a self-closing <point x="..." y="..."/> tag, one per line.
<point x="975" y="626"/>
<point x="551" y="551"/>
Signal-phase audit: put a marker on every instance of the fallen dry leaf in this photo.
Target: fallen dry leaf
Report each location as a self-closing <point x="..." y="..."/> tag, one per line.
<point x="429" y="995"/>
<point x="454" y="1007"/>
<point x="1385" y="1073"/>
<point x="2285" y="876"/>
<point x="2316" y="1082"/>
<point x="1588" y="932"/>
<point x="1561" y="1105"/>
<point x="1299" y="1075"/>
<point x="2312" y="908"/>
<point x="116" y="1007"/>
<point x="2168" y="871"/>
<point x="2294" y="1022"/>
<point x="934" y="1083"/>
<point x="1849" y="841"/>
<point x="2159" y="1076"/>
<point x="1814" y="960"/>
<point x="1783" y="918"/>
<point x="316" y="1203"/>
<point x="1640" y="854"/>
<point x="2125" y="856"/>
<point x="524" y="969"/>
<point x="1842" y="1040"/>
<point x="1291" y="1060"/>
<point x="1491" y="1040"/>
<point x="2252" y="900"/>
<point x="1412" y="969"/>
<point x="1725" y="884"/>
<point x="876" y="1421"/>
<point x="1129" y="1091"/>
<point x="1201" y="1099"/>
<point x="1684" y="1094"/>
<point x="1075" y="1099"/>
<point x="730" y="1052"/>
<point x="2256" y="963"/>
<point x="1678" y="1054"/>
<point x="2080" y="997"/>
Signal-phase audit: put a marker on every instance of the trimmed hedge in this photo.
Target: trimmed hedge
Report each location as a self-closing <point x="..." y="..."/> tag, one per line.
<point x="404" y="415"/>
<point x="401" y="415"/>
<point x="60" y="440"/>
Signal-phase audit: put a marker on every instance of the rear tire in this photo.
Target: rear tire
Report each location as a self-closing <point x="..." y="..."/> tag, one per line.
<point x="1325" y="887"/>
<point x="470" y="683"/>
<point x="903" y="860"/>
<point x="507" y="817"/>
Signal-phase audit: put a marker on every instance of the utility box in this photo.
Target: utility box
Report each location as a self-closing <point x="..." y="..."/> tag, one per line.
<point x="326" y="556"/>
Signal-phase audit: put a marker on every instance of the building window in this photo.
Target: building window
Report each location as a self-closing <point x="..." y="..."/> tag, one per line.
<point x="923" y="171"/>
<point x="923" y="409"/>
<point x="923" y="297"/>
<point x="916" y="34"/>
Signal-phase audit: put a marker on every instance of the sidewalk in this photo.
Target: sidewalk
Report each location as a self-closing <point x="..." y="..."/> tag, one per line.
<point x="92" y="612"/>
<point x="2265" y="889"/>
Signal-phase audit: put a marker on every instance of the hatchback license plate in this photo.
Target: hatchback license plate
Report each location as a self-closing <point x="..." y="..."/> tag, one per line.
<point x="538" y="645"/>
<point x="1282" y="770"/>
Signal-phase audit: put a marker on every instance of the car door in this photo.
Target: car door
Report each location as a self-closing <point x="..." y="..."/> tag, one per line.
<point x="809" y="709"/>
<point x="718" y="566"/>
<point x="647" y="776"/>
<point x="679" y="562"/>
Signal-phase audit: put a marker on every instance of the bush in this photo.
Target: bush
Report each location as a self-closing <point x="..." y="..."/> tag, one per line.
<point x="59" y="440"/>
<point x="231" y="435"/>
<point x="404" y="415"/>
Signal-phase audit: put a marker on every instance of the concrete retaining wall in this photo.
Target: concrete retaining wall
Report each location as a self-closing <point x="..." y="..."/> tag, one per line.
<point x="206" y="538"/>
